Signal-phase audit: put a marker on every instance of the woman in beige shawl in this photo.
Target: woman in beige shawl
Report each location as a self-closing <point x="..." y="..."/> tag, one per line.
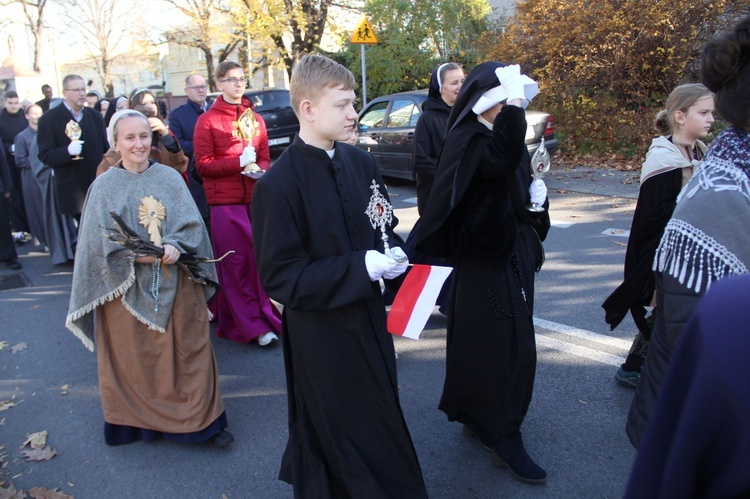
<point x="157" y="370"/>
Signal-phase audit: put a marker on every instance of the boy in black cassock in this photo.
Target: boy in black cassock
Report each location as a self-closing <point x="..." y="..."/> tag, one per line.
<point x="319" y="256"/>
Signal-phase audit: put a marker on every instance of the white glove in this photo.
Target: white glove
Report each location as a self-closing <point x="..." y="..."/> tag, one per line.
<point x="378" y="265"/>
<point x="247" y="156"/>
<point x="75" y="147"/>
<point x="538" y="191"/>
<point x="517" y="85"/>
<point x="398" y="255"/>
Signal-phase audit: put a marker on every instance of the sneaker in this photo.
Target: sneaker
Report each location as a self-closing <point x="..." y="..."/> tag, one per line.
<point x="19" y="238"/>
<point x="627" y="379"/>
<point x="12" y="263"/>
<point x="223" y="438"/>
<point x="510" y="452"/>
<point x="266" y="339"/>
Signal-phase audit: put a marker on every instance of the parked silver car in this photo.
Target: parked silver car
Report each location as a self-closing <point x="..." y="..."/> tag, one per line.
<point x="386" y="130"/>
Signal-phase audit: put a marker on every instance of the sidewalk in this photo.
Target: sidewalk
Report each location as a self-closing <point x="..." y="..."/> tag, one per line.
<point x="595" y="181"/>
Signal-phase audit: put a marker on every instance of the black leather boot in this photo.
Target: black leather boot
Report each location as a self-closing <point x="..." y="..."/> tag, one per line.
<point x="485" y="436"/>
<point x="509" y="451"/>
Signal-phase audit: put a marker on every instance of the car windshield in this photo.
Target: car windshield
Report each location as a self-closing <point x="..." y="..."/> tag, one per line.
<point x="268" y="101"/>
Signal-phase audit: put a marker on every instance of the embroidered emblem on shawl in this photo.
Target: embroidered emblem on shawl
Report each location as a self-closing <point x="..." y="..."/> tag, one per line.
<point x="150" y="214"/>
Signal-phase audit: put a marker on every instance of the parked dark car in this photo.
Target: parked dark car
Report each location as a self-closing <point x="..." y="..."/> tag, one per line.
<point x="274" y="106"/>
<point x="386" y="130"/>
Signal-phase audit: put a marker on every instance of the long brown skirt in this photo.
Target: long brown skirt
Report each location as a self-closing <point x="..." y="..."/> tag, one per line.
<point x="159" y="381"/>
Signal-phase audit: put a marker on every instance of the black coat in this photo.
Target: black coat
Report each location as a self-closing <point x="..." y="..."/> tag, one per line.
<point x="347" y="433"/>
<point x="72" y="177"/>
<point x="182" y="124"/>
<point x="428" y="142"/>
<point x="656" y="202"/>
<point x="7" y="247"/>
<point x="10" y="126"/>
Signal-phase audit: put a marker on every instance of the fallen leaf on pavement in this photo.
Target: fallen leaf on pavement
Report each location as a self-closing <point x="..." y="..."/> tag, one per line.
<point x="36" y="440"/>
<point x="20" y="347"/>
<point x="3" y="344"/>
<point x="6" y="404"/>
<point x="39" y="454"/>
<point x="42" y="493"/>
<point x="11" y="493"/>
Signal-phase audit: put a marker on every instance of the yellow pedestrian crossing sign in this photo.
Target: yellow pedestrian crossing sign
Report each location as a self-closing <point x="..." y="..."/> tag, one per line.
<point x="364" y="33"/>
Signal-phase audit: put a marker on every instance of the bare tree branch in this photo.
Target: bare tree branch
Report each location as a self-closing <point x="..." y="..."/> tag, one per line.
<point x="33" y="12"/>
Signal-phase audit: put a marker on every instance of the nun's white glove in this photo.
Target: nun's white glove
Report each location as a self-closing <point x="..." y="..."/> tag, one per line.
<point x="538" y="191"/>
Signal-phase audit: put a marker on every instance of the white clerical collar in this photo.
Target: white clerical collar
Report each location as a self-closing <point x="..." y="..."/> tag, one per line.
<point x="484" y="122"/>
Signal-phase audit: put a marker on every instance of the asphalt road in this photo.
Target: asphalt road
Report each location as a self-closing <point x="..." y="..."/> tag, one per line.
<point x="575" y="426"/>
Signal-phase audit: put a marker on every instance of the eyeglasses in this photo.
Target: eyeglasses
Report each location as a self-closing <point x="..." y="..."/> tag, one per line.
<point x="79" y="90"/>
<point x="234" y="81"/>
<point x="198" y="87"/>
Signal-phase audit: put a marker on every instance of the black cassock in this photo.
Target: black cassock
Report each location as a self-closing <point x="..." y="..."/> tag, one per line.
<point x="347" y="433"/>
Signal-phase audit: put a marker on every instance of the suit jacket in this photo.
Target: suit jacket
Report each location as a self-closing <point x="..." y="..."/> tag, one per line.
<point x="72" y="177"/>
<point x="182" y="125"/>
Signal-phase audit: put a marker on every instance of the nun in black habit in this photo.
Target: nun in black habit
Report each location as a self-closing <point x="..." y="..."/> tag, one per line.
<point x="476" y="216"/>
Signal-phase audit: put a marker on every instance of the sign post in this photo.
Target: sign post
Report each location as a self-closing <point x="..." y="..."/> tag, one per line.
<point x="363" y="34"/>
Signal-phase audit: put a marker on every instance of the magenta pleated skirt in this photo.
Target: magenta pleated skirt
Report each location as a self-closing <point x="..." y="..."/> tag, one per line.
<point x="243" y="311"/>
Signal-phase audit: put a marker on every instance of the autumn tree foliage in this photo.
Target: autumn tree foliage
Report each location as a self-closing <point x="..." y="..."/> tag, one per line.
<point x="414" y="36"/>
<point x="606" y="67"/>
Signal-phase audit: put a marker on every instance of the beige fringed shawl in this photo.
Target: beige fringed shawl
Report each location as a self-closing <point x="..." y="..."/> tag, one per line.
<point x="708" y="237"/>
<point x="105" y="271"/>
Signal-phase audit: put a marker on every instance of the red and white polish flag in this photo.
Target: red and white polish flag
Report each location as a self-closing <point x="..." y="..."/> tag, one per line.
<point x="416" y="299"/>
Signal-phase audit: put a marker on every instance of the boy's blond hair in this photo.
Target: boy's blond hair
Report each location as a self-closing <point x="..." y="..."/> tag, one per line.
<point x="313" y="74"/>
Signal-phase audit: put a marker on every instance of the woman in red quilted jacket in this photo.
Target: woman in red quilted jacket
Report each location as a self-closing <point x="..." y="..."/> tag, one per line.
<point x="231" y="152"/>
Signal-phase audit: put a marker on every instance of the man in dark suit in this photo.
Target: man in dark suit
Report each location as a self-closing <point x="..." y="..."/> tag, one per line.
<point x="44" y="103"/>
<point x="182" y="124"/>
<point x="72" y="175"/>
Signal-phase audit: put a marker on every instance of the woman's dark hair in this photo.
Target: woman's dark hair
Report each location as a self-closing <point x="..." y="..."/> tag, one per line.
<point x="225" y="67"/>
<point x="725" y="70"/>
<point x="137" y="95"/>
